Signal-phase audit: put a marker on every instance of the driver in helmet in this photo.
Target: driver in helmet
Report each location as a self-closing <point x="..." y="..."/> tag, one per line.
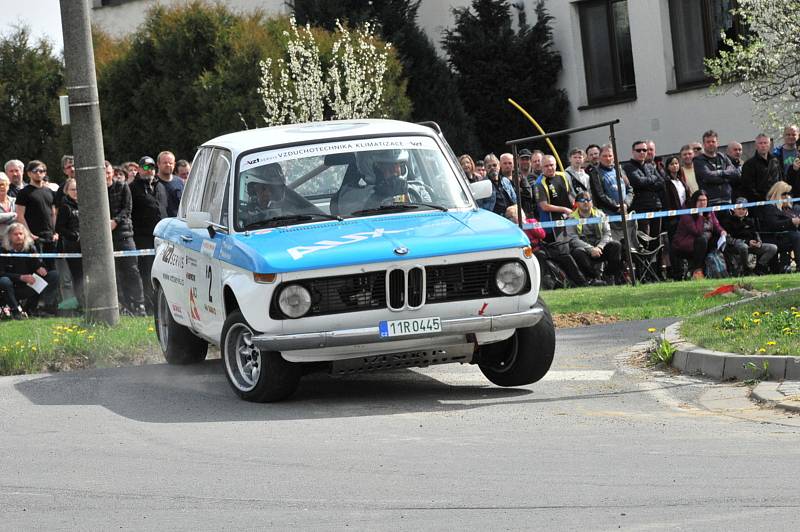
<point x="387" y="180"/>
<point x="266" y="191"/>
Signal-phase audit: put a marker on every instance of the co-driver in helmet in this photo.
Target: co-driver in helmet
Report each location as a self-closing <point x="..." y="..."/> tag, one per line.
<point x="266" y="190"/>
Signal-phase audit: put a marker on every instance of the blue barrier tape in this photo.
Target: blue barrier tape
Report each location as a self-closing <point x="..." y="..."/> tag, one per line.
<point x="649" y="215"/>
<point x="127" y="253"/>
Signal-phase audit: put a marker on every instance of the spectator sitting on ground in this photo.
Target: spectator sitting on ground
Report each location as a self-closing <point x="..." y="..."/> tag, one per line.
<point x="543" y="251"/>
<point x="592" y="245"/>
<point x="780" y="226"/>
<point x="16" y="275"/>
<point x="743" y="240"/>
<point x="697" y="234"/>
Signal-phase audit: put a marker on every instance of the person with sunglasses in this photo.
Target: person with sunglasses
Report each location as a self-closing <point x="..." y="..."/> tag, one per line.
<point x="146" y="212"/>
<point x="36" y="210"/>
<point x="592" y="244"/>
<point x="648" y="187"/>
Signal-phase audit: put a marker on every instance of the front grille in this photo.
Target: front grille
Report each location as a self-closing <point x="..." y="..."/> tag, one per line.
<point x="334" y="295"/>
<point x="460" y="282"/>
<point x="406" y="289"/>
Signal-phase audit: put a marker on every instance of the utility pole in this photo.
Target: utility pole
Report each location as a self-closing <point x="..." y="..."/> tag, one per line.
<point x="100" y="285"/>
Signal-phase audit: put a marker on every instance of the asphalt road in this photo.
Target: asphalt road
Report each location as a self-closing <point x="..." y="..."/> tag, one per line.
<point x="599" y="444"/>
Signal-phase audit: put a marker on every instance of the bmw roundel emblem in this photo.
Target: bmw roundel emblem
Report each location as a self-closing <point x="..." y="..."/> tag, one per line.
<point x="401" y="251"/>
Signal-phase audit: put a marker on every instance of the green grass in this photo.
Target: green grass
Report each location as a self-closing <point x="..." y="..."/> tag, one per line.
<point x="55" y="344"/>
<point x="660" y="300"/>
<point x="769" y="326"/>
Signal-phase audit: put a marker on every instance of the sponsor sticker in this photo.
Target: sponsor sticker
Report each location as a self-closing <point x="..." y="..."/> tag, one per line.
<point x="208" y="248"/>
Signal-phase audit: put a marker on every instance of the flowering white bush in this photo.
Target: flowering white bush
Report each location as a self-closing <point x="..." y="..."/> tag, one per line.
<point x="350" y="87"/>
<point x="763" y="62"/>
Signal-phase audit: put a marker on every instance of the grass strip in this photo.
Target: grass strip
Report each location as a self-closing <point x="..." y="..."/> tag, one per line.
<point x="768" y="326"/>
<point x="57" y="344"/>
<point x="659" y="300"/>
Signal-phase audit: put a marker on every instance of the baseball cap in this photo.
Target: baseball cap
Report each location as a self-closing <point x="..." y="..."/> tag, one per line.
<point x="147" y="160"/>
<point x="525" y="152"/>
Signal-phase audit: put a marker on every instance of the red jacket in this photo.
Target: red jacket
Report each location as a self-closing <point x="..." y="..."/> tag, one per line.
<point x="690" y="227"/>
<point x="534" y="235"/>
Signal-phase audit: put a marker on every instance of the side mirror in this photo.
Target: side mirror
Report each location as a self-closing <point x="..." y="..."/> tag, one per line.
<point x="481" y="189"/>
<point x="198" y="220"/>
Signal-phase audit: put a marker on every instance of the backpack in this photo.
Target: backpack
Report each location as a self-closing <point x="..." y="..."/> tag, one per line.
<point x="715" y="265"/>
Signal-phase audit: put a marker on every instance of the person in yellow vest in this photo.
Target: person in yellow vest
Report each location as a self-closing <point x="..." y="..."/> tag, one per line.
<point x="591" y="244"/>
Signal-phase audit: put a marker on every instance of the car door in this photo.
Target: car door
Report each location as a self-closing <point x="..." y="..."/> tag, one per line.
<point x="205" y="304"/>
<point x="185" y="243"/>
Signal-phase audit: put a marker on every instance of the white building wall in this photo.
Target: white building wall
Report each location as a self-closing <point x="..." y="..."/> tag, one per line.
<point x="670" y="119"/>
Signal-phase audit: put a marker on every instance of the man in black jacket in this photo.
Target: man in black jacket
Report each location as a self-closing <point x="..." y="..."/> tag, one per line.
<point x="146" y="213"/>
<point x="761" y="171"/>
<point x="647" y="185"/>
<point x="129" y="282"/>
<point x="715" y="173"/>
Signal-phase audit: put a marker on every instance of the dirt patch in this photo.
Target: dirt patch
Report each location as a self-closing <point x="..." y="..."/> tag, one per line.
<point x="582" y="319"/>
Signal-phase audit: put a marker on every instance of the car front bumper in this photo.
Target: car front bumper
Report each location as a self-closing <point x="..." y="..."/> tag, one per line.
<point x="371" y="335"/>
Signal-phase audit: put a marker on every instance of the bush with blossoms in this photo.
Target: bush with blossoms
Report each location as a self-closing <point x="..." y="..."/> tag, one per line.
<point x="313" y="83"/>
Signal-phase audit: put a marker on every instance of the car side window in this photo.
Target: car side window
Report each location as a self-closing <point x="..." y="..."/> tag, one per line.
<point x="215" y="194"/>
<point x="194" y="184"/>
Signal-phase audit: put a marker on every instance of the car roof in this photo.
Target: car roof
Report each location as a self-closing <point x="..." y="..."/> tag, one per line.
<point x="312" y="131"/>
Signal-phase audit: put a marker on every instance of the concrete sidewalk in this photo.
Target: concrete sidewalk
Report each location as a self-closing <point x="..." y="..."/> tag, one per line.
<point x="785" y="395"/>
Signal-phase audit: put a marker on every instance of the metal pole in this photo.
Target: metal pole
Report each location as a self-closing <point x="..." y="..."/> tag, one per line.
<point x="100" y="285"/>
<point x="622" y="210"/>
<point x="520" y="217"/>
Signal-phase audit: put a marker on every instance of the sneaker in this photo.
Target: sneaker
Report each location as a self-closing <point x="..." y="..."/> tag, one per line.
<point x="698" y="274"/>
<point x="19" y="314"/>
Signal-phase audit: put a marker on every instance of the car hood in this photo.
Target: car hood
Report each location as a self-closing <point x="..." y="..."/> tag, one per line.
<point x="367" y="240"/>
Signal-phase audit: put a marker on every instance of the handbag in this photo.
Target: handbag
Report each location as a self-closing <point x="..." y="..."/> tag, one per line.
<point x="715" y="266"/>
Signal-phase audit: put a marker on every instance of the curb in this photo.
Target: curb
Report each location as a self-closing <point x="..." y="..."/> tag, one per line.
<point x="769" y="393"/>
<point x="694" y="360"/>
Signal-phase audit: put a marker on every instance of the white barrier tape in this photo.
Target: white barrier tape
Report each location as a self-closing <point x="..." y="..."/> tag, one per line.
<point x="127" y="253"/>
<point x="649" y="215"/>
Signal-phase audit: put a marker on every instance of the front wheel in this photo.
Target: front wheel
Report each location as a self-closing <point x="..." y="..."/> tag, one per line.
<point x="179" y="345"/>
<point x="525" y="357"/>
<point x="255" y="375"/>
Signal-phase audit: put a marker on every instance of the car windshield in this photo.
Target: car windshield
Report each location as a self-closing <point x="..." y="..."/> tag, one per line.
<point x="335" y="180"/>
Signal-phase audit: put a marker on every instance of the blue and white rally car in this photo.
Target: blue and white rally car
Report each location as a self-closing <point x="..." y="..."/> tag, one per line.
<point x="349" y="246"/>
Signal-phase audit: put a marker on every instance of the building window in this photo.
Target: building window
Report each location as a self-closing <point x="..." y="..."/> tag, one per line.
<point x="697" y="27"/>
<point x="607" y="53"/>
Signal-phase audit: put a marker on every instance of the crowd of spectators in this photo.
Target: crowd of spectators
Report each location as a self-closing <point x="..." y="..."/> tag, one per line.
<point x="39" y="216"/>
<point x="732" y="241"/>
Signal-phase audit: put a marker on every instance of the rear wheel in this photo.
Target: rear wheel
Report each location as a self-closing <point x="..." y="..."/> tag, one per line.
<point x="255" y="375"/>
<point x="525" y="357"/>
<point x="179" y="344"/>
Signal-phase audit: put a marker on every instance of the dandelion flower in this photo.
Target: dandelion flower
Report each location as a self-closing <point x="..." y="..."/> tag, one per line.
<point x="728" y="319"/>
<point x="756" y="314"/>
<point x="756" y="321"/>
<point x="762" y="350"/>
<point x="772" y="342"/>
<point x="151" y="329"/>
<point x="33" y="348"/>
<point x="651" y="330"/>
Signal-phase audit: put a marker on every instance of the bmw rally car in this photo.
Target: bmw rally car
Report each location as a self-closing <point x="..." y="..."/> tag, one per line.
<point x="349" y="246"/>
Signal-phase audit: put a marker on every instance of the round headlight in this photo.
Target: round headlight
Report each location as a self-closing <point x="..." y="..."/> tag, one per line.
<point x="510" y="278"/>
<point x="294" y="301"/>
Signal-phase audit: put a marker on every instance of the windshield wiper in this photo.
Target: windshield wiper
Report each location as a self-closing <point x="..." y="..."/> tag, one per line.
<point x="287" y="218"/>
<point x="396" y="207"/>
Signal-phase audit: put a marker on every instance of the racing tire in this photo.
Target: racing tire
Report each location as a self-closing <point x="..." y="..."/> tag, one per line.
<point x="179" y="345"/>
<point x="525" y="357"/>
<point x="255" y="375"/>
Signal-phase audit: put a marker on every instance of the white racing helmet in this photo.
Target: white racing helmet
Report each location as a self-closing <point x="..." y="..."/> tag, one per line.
<point x="371" y="163"/>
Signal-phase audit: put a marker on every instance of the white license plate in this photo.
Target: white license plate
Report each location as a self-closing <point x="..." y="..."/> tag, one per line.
<point x="406" y="327"/>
